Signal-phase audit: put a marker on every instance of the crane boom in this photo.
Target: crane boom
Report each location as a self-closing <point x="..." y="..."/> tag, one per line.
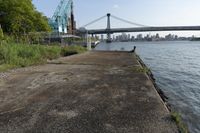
<point x="62" y="20"/>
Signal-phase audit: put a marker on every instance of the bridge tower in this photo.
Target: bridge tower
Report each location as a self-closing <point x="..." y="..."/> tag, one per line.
<point x="108" y="29"/>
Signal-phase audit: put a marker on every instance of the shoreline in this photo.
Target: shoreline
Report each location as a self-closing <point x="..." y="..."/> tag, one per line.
<point x="153" y="80"/>
<point x="175" y="116"/>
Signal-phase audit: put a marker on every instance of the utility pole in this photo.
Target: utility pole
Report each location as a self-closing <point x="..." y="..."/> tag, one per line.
<point x="88" y="41"/>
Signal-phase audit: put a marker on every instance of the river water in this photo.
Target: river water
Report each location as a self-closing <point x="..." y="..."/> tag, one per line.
<point x="176" y="67"/>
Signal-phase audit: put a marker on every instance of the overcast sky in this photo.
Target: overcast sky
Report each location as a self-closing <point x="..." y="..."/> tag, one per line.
<point x="147" y="12"/>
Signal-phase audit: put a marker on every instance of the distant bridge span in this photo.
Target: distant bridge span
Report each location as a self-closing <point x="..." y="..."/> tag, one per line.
<point x="141" y="28"/>
<point x="144" y="29"/>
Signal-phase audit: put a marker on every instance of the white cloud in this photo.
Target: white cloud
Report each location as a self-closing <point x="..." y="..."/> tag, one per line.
<point x="115" y="6"/>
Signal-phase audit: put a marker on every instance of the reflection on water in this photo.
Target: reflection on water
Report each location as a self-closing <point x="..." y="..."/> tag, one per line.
<point x="176" y="67"/>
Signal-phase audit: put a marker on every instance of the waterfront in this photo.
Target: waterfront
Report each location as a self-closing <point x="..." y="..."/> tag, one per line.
<point x="175" y="66"/>
<point x="93" y="92"/>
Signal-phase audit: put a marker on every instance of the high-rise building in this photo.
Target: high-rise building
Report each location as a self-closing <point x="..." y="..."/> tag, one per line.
<point x="129" y="37"/>
<point x="113" y="37"/>
<point x="102" y="38"/>
<point x="157" y="36"/>
<point x="139" y="37"/>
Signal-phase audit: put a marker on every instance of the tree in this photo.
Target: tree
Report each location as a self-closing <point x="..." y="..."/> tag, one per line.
<point x="20" y="16"/>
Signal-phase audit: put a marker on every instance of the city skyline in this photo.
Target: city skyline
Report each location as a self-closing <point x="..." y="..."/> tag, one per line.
<point x="150" y="13"/>
<point x="127" y="37"/>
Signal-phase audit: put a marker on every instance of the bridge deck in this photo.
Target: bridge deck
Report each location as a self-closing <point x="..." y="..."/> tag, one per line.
<point x="144" y="29"/>
<point x="96" y="92"/>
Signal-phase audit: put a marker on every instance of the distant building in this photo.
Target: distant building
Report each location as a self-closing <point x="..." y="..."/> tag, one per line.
<point x="157" y="36"/>
<point x="124" y="37"/>
<point x="169" y="37"/>
<point x="132" y="38"/>
<point x="129" y="37"/>
<point x="102" y="38"/>
<point x="139" y="37"/>
<point x="113" y="37"/>
<point x="176" y="37"/>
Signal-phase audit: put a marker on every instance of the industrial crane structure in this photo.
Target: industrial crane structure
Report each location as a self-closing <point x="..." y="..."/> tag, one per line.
<point x="62" y="20"/>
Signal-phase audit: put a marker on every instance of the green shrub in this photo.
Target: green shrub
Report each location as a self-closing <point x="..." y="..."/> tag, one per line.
<point x="22" y="55"/>
<point x="52" y="52"/>
<point x="1" y="58"/>
<point x="71" y="50"/>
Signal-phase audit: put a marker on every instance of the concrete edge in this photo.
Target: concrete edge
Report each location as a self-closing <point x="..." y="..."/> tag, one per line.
<point x="150" y="76"/>
<point x="160" y="93"/>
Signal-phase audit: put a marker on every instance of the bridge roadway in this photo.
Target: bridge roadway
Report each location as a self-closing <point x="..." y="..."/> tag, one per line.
<point x="144" y="29"/>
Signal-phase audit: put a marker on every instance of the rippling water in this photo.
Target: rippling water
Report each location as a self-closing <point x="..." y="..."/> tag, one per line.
<point x="176" y="67"/>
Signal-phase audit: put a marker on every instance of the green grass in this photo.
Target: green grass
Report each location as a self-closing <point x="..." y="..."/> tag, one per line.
<point x="177" y="118"/>
<point x="22" y="55"/>
<point x="139" y="69"/>
<point x="5" y="67"/>
<point x="70" y="50"/>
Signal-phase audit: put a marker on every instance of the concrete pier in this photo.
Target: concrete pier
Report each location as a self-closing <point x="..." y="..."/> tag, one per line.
<point x="95" y="92"/>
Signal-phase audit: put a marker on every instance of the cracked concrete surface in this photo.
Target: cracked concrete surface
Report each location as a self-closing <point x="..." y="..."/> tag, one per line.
<point x="95" y="92"/>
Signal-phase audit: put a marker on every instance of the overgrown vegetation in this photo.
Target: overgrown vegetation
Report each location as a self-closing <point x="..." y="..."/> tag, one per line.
<point x="1" y="34"/>
<point x="66" y="51"/>
<point x="177" y="118"/>
<point x="25" y="55"/>
<point x="22" y="55"/>
<point x="21" y="25"/>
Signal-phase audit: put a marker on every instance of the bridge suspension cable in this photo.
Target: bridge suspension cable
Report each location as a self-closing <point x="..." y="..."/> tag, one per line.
<point x="129" y="22"/>
<point x="94" y="21"/>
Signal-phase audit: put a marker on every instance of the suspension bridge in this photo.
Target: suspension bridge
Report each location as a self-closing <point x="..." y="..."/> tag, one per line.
<point x="63" y="22"/>
<point x="140" y="27"/>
